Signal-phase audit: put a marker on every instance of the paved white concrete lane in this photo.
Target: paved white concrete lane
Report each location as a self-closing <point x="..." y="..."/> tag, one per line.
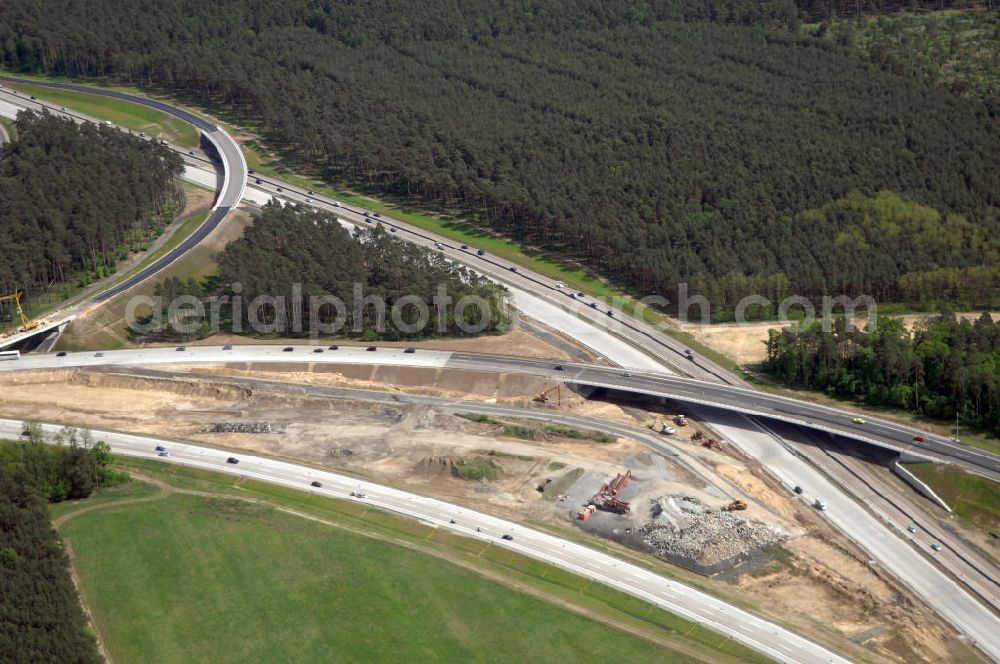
<point x="302" y="354"/>
<point x="942" y="594"/>
<point x="609" y="346"/>
<point x="755" y="632"/>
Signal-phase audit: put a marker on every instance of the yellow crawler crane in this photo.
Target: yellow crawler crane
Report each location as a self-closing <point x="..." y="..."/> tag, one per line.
<point x="735" y="505"/>
<point x="16" y="298"/>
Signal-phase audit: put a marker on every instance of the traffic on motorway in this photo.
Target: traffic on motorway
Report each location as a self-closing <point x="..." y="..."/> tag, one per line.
<point x="880" y="432"/>
<point x="752" y="630"/>
<point x="711" y="386"/>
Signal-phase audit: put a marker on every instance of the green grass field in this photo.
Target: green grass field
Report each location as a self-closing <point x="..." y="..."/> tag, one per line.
<point x="322" y="541"/>
<point x="975" y="499"/>
<point x="122" y="113"/>
<point x="200" y="579"/>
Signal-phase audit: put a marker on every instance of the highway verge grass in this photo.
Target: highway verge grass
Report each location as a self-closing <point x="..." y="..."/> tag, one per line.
<point x="122" y="113"/>
<point x="9" y="128"/>
<point x="974" y="499"/>
<point x="185" y="229"/>
<point x="213" y="580"/>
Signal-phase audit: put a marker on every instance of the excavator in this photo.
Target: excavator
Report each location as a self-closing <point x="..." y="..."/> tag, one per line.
<point x="15" y="297"/>
<point x="543" y="397"/>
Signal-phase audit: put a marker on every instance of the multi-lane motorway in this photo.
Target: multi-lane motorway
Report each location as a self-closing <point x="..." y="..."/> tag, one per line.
<point x="748" y="628"/>
<point x="627" y="342"/>
<point x="679" y="388"/>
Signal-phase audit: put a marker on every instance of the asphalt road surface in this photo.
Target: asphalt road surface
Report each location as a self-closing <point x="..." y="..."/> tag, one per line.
<point x="233" y="164"/>
<point x="748" y="628"/>
<point x="623" y="340"/>
<point x="687" y="390"/>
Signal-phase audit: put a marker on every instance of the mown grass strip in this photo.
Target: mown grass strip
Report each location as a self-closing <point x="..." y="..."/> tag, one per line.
<point x="575" y="590"/>
<point x="122" y="113"/>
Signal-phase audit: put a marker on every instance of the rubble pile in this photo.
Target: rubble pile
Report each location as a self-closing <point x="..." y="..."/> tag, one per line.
<point x="684" y="527"/>
<point x="239" y="427"/>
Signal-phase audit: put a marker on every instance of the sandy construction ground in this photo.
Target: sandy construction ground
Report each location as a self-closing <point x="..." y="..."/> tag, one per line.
<point x="745" y="343"/>
<point x="819" y="584"/>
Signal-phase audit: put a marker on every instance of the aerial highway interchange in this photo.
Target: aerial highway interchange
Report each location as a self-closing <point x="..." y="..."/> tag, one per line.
<point x="649" y="362"/>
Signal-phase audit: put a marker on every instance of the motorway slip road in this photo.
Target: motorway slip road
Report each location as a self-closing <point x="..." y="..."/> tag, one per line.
<point x="233" y="164"/>
<point x="691" y="391"/>
<point x="751" y="630"/>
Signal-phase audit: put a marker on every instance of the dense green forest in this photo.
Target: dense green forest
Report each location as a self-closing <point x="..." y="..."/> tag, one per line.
<point x="961" y="49"/>
<point x="945" y="366"/>
<point x="659" y="142"/>
<point x="290" y="245"/>
<point x="815" y="10"/>
<point x="74" y="199"/>
<point x="69" y="467"/>
<point x="40" y="616"/>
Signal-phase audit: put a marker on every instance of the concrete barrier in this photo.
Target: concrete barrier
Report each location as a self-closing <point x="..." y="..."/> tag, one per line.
<point x="918" y="485"/>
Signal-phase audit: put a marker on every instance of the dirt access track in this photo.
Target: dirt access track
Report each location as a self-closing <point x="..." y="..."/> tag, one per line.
<point x="817" y="582"/>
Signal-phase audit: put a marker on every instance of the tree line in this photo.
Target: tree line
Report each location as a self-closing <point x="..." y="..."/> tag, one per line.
<point x="293" y="253"/>
<point x="815" y="10"/>
<point x="75" y="199"/>
<point x="943" y="368"/>
<point x="67" y="467"/>
<point x="658" y="143"/>
<point x="41" y="619"/>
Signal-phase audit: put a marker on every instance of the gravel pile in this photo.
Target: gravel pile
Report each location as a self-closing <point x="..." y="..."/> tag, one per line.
<point x="240" y="427"/>
<point x="685" y="527"/>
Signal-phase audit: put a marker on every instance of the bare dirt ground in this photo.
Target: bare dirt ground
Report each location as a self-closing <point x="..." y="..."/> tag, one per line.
<point x="818" y="582"/>
<point x="745" y="343"/>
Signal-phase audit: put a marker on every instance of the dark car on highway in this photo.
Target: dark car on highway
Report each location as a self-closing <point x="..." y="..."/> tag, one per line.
<point x="372" y="348"/>
<point x="317" y="350"/>
<point x="287" y="349"/>
<point x="315" y="484"/>
<point x="61" y="353"/>
<point x="232" y="460"/>
<point x="507" y="537"/>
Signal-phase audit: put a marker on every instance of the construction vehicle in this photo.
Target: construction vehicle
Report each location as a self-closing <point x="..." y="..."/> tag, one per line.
<point x="663" y="428"/>
<point x="820" y="504"/>
<point x="680" y="420"/>
<point x="26" y="323"/>
<point x="586" y="512"/>
<point x="543" y="396"/>
<point x="607" y="498"/>
<point x="712" y="444"/>
<point x="735" y="506"/>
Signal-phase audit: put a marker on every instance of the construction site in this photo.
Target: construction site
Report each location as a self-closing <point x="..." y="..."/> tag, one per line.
<point x="663" y="485"/>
